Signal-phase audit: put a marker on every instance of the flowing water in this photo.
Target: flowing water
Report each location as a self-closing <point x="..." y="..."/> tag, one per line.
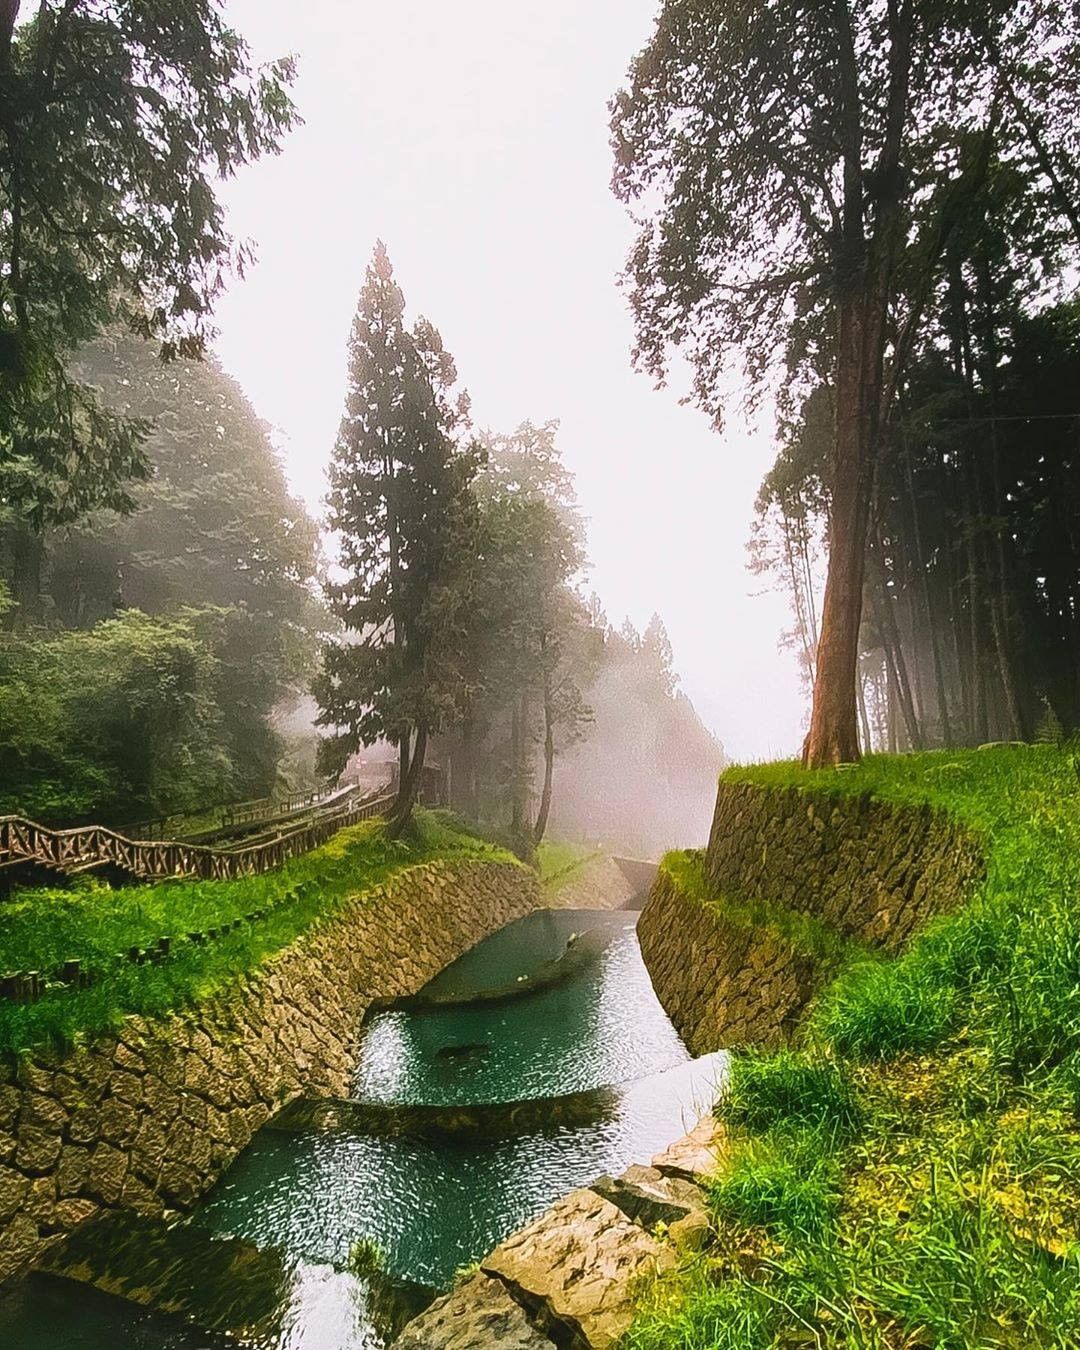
<point x="421" y="1164"/>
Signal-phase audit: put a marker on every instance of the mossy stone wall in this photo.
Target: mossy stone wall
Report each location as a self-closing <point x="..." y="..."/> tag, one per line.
<point x="873" y="870"/>
<point x="149" y="1119"/>
<point x="722" y="982"/>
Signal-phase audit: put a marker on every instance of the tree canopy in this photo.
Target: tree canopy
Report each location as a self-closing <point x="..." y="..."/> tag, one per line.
<point x="801" y="167"/>
<point x="116" y="121"/>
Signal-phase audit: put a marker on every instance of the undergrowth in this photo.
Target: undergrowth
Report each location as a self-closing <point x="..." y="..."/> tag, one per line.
<point x="42" y="928"/>
<point x="909" y="1175"/>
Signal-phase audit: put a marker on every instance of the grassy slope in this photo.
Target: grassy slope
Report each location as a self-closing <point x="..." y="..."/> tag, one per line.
<point x="42" y="928"/>
<point x="910" y="1174"/>
<point x="557" y="862"/>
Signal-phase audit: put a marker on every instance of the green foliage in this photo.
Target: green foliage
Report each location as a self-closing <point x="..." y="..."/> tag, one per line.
<point x="788" y="1088"/>
<point x="121" y="719"/>
<point x="43" y="928"/>
<point x="788" y="1183"/>
<point x="215" y="526"/>
<point x="700" y="1313"/>
<point x="528" y="644"/>
<point x="115" y="121"/>
<point x="366" y="1257"/>
<point x="877" y="1010"/>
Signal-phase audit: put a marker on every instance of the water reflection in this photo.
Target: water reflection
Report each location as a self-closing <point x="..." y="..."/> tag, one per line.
<point x="431" y="1202"/>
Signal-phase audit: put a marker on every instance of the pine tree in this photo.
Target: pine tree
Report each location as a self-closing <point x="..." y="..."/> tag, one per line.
<point x="400" y="504"/>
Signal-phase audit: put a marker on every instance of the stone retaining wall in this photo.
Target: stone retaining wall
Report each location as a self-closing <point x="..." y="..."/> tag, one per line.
<point x="149" y="1119"/>
<point x="723" y="983"/>
<point x="875" y="871"/>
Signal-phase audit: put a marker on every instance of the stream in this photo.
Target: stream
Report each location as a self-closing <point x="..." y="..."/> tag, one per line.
<point x="470" y="1113"/>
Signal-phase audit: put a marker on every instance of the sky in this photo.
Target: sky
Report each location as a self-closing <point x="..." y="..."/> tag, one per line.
<point x="472" y="138"/>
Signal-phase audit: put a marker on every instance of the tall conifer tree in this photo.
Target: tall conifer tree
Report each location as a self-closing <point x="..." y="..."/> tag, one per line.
<point x="400" y="504"/>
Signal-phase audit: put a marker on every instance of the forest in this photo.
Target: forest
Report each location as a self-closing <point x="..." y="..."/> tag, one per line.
<point x="159" y="644"/>
<point x="348" y="996"/>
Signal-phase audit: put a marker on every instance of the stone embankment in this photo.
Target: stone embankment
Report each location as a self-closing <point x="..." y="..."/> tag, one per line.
<point x="150" y="1118"/>
<point x="870" y="871"/>
<point x="599" y="883"/>
<point x="875" y="871"/>
<point x="724" y="982"/>
<point x="570" y="1278"/>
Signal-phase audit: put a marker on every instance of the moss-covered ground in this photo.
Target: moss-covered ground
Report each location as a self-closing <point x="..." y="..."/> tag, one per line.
<point x="42" y="928"/>
<point x="908" y="1175"/>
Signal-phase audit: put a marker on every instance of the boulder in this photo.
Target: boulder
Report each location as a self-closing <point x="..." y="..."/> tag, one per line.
<point x="696" y="1155"/>
<point x="647" y="1196"/>
<point x="575" y="1268"/>
<point x="478" y="1315"/>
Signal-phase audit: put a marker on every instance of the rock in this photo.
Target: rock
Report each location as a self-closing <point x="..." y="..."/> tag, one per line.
<point x="696" y="1155"/>
<point x="575" y="1267"/>
<point x="647" y="1196"/>
<point x="692" y="1233"/>
<point x="478" y="1315"/>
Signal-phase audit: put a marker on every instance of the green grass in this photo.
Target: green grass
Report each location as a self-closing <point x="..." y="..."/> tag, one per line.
<point x="43" y="928"/>
<point x="785" y="1181"/>
<point x="556" y="861"/>
<point x="808" y="935"/>
<point x="789" y="1087"/>
<point x="909" y="1175"/>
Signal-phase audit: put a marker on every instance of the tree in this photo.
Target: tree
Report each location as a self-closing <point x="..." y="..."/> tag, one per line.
<point x="809" y="162"/>
<point x="115" y="120"/>
<point x="400" y="504"/>
<point x="119" y="721"/>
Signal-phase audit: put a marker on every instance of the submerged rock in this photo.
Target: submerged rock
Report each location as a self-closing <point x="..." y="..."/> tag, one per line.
<point x="478" y="1315"/>
<point x="454" y="1053"/>
<point x="479" y="1121"/>
<point x="219" y="1284"/>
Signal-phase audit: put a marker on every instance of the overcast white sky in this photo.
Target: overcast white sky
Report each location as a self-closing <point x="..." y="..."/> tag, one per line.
<point x="471" y="136"/>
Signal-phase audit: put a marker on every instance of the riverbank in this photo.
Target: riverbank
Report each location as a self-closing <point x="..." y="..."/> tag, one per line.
<point x="154" y="949"/>
<point x="148" y="1116"/>
<point x="908" y="1172"/>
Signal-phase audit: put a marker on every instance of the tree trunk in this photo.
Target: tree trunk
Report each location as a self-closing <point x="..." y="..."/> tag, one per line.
<point x="401" y="812"/>
<point x="864" y="720"/>
<point x="540" y="828"/>
<point x="924" y="588"/>
<point x="894" y="652"/>
<point x="27" y="554"/>
<point x="833" y="737"/>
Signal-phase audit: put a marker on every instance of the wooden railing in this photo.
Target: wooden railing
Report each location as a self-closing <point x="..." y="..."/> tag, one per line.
<point x="82" y="849"/>
<point x="230" y="815"/>
<point x="265" y="808"/>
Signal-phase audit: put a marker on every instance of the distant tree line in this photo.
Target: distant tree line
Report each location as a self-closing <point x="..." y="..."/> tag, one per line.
<point x="459" y="589"/>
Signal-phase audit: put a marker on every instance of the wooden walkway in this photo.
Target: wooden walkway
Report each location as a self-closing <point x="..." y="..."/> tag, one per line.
<point x="85" y="848"/>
